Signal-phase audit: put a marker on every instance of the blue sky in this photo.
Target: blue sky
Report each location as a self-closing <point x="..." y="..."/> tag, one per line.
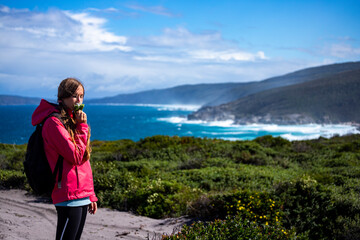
<point x="129" y="46"/>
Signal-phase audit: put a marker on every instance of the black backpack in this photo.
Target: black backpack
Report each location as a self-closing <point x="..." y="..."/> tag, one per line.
<point x="36" y="165"/>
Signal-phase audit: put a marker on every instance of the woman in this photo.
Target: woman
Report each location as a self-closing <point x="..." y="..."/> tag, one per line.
<point x="69" y="137"/>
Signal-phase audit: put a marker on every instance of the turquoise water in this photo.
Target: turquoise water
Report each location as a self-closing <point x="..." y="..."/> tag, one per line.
<point x="113" y="122"/>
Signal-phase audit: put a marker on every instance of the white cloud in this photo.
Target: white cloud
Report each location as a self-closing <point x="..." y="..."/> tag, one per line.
<point x="343" y="50"/>
<point x="93" y="37"/>
<point x="179" y="45"/>
<point x="161" y="58"/>
<point x="110" y="9"/>
<point x="57" y="30"/>
<point x="4" y="9"/>
<point x="158" y="10"/>
<point x="183" y="38"/>
<point x="228" y="55"/>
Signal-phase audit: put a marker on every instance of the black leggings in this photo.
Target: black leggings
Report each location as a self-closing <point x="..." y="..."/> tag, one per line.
<point x="71" y="221"/>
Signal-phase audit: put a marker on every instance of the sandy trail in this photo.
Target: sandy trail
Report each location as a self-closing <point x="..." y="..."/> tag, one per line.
<point x="23" y="216"/>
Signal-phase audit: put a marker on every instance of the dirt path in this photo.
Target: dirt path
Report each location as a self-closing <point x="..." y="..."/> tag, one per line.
<point x="23" y="216"/>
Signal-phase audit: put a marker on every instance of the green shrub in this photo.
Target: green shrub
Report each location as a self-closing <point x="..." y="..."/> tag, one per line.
<point x="233" y="227"/>
<point x="260" y="207"/>
<point x="308" y="208"/>
<point x="12" y="179"/>
<point x="12" y="156"/>
<point x="269" y="141"/>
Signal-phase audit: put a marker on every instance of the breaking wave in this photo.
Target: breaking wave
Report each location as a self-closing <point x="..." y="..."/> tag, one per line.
<point x="230" y="131"/>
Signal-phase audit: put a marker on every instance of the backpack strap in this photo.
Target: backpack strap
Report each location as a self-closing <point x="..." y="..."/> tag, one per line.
<point x="55" y="114"/>
<point x="59" y="168"/>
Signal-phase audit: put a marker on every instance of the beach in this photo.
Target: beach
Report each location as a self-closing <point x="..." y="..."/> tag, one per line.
<point x="24" y="216"/>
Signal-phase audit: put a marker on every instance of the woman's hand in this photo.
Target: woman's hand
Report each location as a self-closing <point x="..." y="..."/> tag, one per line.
<point x="80" y="117"/>
<point x="92" y="208"/>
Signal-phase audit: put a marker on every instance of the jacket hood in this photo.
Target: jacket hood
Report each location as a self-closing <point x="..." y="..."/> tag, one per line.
<point x="43" y="111"/>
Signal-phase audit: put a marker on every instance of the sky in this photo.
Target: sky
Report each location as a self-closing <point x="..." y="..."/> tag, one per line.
<point x="117" y="47"/>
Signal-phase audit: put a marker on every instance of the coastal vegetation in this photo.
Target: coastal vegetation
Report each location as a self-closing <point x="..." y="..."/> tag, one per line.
<point x="267" y="188"/>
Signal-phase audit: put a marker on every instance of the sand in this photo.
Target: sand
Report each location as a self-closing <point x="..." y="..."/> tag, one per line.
<point x="23" y="216"/>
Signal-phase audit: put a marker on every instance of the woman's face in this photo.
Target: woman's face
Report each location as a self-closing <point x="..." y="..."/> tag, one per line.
<point x="77" y="98"/>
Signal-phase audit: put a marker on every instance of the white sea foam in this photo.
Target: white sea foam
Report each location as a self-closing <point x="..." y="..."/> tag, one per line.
<point x="184" y="120"/>
<point x="307" y="129"/>
<point x="233" y="139"/>
<point x="223" y="133"/>
<point x="223" y="129"/>
<point x="180" y="120"/>
<point x="292" y="137"/>
<point x="227" y="123"/>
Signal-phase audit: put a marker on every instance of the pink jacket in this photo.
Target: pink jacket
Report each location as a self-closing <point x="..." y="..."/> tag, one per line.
<point x="77" y="179"/>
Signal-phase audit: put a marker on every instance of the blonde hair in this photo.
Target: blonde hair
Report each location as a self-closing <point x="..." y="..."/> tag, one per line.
<point x="67" y="88"/>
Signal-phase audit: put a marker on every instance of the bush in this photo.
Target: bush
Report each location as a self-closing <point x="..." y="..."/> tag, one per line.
<point x="233" y="227"/>
<point x="260" y="207"/>
<point x="308" y="208"/>
<point x="12" y="179"/>
<point x="269" y="141"/>
<point x="12" y="156"/>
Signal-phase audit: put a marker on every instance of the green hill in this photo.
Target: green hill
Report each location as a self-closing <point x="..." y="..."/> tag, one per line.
<point x="216" y="94"/>
<point x="305" y="75"/>
<point x="331" y="99"/>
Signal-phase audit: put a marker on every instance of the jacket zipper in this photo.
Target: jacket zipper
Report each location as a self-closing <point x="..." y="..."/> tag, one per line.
<point x="77" y="177"/>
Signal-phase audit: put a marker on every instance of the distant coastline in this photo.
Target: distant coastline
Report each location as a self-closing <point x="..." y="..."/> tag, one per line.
<point x="14" y="100"/>
<point x="326" y="94"/>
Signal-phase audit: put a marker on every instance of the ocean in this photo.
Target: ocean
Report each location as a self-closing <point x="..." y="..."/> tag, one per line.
<point x="135" y="122"/>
